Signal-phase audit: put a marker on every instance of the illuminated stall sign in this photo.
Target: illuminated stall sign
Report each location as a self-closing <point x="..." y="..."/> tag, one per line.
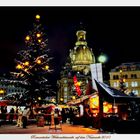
<point x="77" y="86"/>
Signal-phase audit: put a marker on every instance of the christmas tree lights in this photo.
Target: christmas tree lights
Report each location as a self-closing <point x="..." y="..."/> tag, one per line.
<point x="32" y="66"/>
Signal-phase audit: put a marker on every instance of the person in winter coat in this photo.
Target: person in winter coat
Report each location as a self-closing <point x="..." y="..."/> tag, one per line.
<point x="25" y="116"/>
<point x="11" y="115"/>
<point x="19" y="120"/>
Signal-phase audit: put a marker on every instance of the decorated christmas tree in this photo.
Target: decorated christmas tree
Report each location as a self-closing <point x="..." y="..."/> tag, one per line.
<point x="122" y="85"/>
<point x="32" y="67"/>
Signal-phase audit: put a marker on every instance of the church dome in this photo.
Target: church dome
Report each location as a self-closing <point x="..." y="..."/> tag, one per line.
<point x="83" y="56"/>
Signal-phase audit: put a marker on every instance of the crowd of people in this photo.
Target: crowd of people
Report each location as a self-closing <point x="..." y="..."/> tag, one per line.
<point x="71" y="115"/>
<point x="14" y="115"/>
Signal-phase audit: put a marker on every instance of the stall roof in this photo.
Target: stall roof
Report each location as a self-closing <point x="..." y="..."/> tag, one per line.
<point x="81" y="99"/>
<point x="110" y="94"/>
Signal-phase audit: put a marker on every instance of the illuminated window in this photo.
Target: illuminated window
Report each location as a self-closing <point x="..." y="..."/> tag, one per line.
<point x="126" y="84"/>
<point x="65" y="81"/>
<point x="65" y="89"/>
<point x="65" y="99"/>
<point x="124" y="68"/>
<point x="65" y="94"/>
<point x="133" y="67"/>
<point x="134" y="84"/>
<point x="135" y="92"/>
<point x="116" y="84"/>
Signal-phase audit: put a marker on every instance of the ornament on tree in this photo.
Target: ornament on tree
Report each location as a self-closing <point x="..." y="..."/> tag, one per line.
<point x="32" y="67"/>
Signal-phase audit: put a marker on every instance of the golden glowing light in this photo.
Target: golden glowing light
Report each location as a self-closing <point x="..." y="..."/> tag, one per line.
<point x="61" y="99"/>
<point x="26" y="63"/>
<point x="37" y="16"/>
<point x="53" y="100"/>
<point x="26" y="70"/>
<point x="105" y="109"/>
<point x="22" y="75"/>
<point x="105" y="103"/>
<point x="46" y="67"/>
<point x="39" y="40"/>
<point x="94" y="104"/>
<point x="27" y="38"/>
<point x="120" y="71"/>
<point x="73" y="97"/>
<point x="2" y="91"/>
<point x="102" y="58"/>
<point x="38" y="35"/>
<point x="39" y="98"/>
<point x="78" y="84"/>
<point x="38" y="61"/>
<point x="19" y="66"/>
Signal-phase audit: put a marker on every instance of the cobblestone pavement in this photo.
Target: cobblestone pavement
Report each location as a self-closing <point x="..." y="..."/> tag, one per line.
<point x="34" y="129"/>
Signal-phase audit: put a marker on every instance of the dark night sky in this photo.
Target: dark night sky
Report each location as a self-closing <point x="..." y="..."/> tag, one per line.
<point x="112" y="30"/>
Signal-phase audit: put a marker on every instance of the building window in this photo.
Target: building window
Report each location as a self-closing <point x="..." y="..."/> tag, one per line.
<point x="65" y="99"/>
<point x="116" y="84"/>
<point x="124" y="68"/>
<point x="126" y="84"/>
<point x="135" y="92"/>
<point x="115" y="77"/>
<point x="133" y="67"/>
<point x="65" y="89"/>
<point x="134" y="84"/>
<point x="65" y="81"/>
<point x="134" y="76"/>
<point x="65" y="93"/>
<point x="125" y="76"/>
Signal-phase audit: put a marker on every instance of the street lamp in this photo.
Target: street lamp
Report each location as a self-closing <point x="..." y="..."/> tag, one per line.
<point x="61" y="100"/>
<point x="102" y="58"/>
